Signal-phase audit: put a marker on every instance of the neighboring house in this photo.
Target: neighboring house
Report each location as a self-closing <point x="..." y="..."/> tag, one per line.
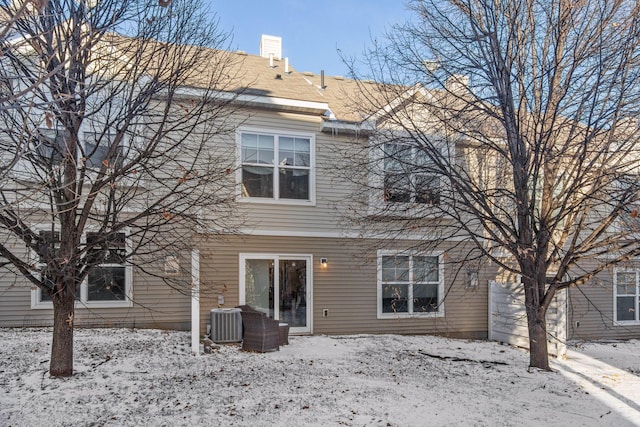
<point x="297" y="257"/>
<point x="607" y="307"/>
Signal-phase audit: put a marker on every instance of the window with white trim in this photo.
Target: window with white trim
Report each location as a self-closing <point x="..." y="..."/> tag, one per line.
<point x="409" y="175"/>
<point x="276" y="166"/>
<point x="626" y="298"/>
<point x="50" y="145"/>
<point x="48" y="249"/>
<point x="625" y="190"/>
<point x="7" y="84"/>
<point x="409" y="285"/>
<point x="107" y="279"/>
<point x="97" y="147"/>
<point x="108" y="284"/>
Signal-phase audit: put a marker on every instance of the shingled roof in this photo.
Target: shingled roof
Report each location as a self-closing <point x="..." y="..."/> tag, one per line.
<point x="256" y="76"/>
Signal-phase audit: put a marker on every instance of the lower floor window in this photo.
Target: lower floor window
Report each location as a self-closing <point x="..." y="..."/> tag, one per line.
<point x="42" y="296"/>
<point x="107" y="284"/>
<point x="409" y="285"/>
<point x="109" y="280"/>
<point x="627" y="295"/>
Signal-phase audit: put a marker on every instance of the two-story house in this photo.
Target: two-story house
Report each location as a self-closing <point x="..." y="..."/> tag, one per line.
<point x="298" y="256"/>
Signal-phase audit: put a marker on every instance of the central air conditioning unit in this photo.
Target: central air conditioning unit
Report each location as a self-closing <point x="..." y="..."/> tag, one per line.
<point x="226" y="325"/>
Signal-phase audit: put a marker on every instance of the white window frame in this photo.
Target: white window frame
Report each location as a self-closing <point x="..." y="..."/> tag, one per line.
<point x="8" y="84"/>
<point x="619" y="225"/>
<point x="413" y="176"/>
<point x="23" y="167"/>
<point x="276" y="176"/>
<point x="377" y="205"/>
<point x="36" y="292"/>
<point x="636" y="297"/>
<point x="57" y="133"/>
<point x="109" y="138"/>
<point x="379" y="294"/>
<point x="99" y="121"/>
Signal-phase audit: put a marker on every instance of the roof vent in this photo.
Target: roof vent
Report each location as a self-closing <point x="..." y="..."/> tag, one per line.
<point x="271" y="45"/>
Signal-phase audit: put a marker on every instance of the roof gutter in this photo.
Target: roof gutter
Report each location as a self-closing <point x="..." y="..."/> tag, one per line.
<point x="355" y="128"/>
<point x="283" y="104"/>
<point x="259" y="101"/>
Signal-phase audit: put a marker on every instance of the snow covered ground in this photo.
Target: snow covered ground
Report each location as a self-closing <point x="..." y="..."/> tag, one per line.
<point x="149" y="377"/>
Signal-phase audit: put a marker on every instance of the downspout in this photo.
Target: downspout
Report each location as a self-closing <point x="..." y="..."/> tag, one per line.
<point x="195" y="302"/>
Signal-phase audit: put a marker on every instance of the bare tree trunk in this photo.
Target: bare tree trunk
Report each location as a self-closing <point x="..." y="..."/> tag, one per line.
<point x="538" y="352"/>
<point x="62" y="348"/>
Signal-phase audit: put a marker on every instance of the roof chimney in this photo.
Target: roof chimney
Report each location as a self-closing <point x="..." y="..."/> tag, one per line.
<point x="271" y="45"/>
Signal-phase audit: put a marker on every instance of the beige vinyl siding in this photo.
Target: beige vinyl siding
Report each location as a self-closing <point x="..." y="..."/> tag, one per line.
<point x="15" y="300"/>
<point x="347" y="287"/>
<point x="591" y="314"/>
<point x="156" y="306"/>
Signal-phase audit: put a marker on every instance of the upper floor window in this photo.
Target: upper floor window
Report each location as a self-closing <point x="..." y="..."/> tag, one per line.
<point x="409" y="175"/>
<point x="276" y="166"/>
<point x="50" y="145"/>
<point x="97" y="147"/>
<point x="409" y="284"/>
<point x="7" y="84"/>
<point x="50" y="244"/>
<point x="627" y="296"/>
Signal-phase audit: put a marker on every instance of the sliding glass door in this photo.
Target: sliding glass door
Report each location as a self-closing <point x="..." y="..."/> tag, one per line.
<point x="278" y="285"/>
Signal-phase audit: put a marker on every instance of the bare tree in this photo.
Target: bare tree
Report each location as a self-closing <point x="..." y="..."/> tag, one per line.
<point x="20" y="8"/>
<point x="109" y="142"/>
<point x="510" y="126"/>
